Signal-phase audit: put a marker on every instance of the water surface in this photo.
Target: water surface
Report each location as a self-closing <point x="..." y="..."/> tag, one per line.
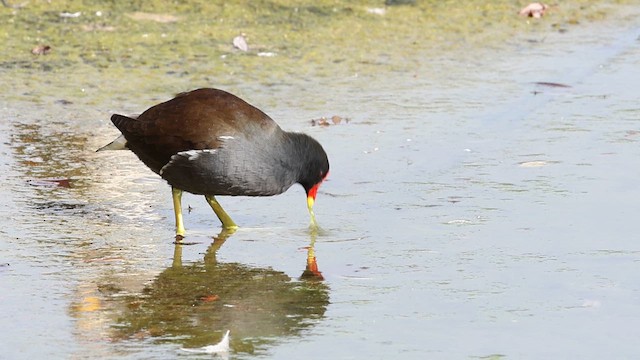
<point x="471" y="212"/>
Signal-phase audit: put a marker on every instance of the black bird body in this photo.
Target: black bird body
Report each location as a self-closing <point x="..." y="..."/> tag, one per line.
<point x="210" y="142"/>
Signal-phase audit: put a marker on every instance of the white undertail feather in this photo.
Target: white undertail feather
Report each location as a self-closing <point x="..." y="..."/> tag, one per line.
<point x="120" y="143"/>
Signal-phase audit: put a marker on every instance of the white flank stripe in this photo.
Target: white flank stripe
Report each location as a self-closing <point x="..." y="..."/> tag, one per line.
<point x="191" y="155"/>
<point x="194" y="154"/>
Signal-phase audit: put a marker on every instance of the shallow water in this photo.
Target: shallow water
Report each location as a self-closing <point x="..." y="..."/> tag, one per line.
<point x="470" y="213"/>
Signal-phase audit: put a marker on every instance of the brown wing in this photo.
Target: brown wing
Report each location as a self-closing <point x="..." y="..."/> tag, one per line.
<point x="192" y="121"/>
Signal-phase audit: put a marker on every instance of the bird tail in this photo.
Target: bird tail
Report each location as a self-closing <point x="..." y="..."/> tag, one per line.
<point x="120" y="143"/>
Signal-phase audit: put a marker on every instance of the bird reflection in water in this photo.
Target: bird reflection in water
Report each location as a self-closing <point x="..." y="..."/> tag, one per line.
<point x="311" y="272"/>
<point x="194" y="304"/>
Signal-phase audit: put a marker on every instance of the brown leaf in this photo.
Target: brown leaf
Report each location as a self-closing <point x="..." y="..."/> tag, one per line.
<point x="210" y="298"/>
<point x="334" y="120"/>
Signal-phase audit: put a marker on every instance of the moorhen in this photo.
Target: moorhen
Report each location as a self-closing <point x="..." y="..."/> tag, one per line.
<point x="210" y="142"/>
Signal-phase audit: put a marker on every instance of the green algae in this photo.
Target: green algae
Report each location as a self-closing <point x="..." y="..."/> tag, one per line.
<point x="102" y="48"/>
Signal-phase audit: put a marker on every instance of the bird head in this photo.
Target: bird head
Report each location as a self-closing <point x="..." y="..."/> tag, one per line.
<point x="314" y="172"/>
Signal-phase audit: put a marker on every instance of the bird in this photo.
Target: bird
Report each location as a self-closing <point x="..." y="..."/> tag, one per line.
<point x="210" y="142"/>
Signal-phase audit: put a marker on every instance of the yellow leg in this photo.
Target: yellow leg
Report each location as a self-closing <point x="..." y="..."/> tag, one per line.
<point x="177" y="209"/>
<point x="227" y="223"/>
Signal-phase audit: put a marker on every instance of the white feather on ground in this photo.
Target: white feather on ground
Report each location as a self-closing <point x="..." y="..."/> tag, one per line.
<point x="240" y="42"/>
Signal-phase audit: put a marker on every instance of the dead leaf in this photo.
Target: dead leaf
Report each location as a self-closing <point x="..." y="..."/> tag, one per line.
<point x="320" y="122"/>
<point x="535" y="10"/>
<point x="335" y="120"/>
<point x="210" y="298"/>
<point x="41" y="50"/>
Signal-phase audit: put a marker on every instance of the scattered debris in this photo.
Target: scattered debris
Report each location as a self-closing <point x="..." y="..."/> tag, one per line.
<point x="454" y="199"/>
<point x="334" y="120"/>
<point x="70" y="15"/>
<point x="551" y="84"/>
<point x="160" y="18"/>
<point x="51" y="182"/>
<point x="459" y="222"/>
<point x="377" y="11"/>
<point x="240" y="42"/>
<point x="535" y="163"/>
<point x="266" y="54"/>
<point x="210" y="298"/>
<point x="631" y="135"/>
<point x="548" y="84"/>
<point x="535" y="10"/>
<point x="41" y="50"/>
<point x="220" y="348"/>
